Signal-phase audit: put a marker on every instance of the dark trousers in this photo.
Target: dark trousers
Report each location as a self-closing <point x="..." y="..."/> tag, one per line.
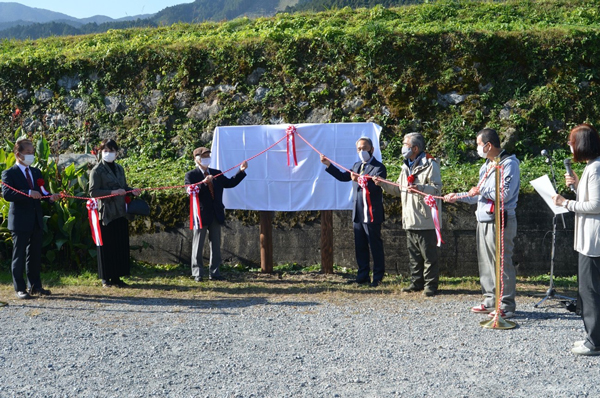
<point x="369" y="236"/>
<point x="423" y="258"/>
<point x="113" y="256"/>
<point x="27" y="256"/>
<point x="214" y="238"/>
<point x="589" y="291"/>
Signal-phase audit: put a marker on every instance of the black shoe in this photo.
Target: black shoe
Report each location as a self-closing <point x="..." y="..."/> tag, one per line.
<point x="23" y="295"/>
<point x="375" y="283"/>
<point x="429" y="292"/>
<point x="106" y="283"/>
<point x="411" y="289"/>
<point x="198" y="278"/>
<point x="217" y="278"/>
<point x="120" y="283"/>
<point x="39" y="291"/>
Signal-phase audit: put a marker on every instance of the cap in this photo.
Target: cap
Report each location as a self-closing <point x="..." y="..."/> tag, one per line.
<point x="200" y="151"/>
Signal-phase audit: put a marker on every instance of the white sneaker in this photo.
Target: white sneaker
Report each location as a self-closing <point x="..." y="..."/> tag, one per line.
<point x="579" y="343"/>
<point x="503" y="314"/>
<point x="583" y="350"/>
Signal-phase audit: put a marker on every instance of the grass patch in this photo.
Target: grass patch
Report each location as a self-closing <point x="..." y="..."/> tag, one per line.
<point x="173" y="280"/>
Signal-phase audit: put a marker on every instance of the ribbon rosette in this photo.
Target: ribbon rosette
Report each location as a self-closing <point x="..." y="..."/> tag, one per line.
<point x="291" y="137"/>
<point x="430" y="201"/>
<point x="195" y="218"/>
<point x="363" y="182"/>
<point x="92" y="206"/>
<point x="410" y="179"/>
<point x="40" y="183"/>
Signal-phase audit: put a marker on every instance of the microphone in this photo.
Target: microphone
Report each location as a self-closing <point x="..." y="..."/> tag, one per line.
<point x="546" y="155"/>
<point x="567" y="163"/>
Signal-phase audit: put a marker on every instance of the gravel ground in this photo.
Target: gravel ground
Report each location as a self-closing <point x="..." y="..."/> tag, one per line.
<point x="326" y="345"/>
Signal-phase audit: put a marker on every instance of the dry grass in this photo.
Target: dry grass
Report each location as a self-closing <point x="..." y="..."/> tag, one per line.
<point x="273" y="286"/>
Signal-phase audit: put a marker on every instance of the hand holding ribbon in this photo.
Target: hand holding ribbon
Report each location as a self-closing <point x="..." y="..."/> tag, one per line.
<point x="430" y="201"/>
<point x="92" y="206"/>
<point x="363" y="182"/>
<point x="195" y="217"/>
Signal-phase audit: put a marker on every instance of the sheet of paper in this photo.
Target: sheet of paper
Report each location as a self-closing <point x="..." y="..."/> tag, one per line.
<point x="544" y="188"/>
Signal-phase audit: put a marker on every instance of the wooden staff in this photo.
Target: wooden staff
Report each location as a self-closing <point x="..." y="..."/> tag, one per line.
<point x="498" y="322"/>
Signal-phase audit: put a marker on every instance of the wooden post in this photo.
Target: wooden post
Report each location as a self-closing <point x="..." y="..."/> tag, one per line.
<point x="327" y="241"/>
<point x="266" y="241"/>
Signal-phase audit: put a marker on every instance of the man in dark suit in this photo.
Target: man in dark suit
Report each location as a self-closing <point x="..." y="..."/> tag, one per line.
<point x="212" y="211"/>
<point x="367" y="214"/>
<point x="25" y="220"/>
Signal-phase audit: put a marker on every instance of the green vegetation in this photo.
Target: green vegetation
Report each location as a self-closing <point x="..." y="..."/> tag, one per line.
<point x="67" y="241"/>
<point x="529" y="66"/>
<point x="446" y="69"/>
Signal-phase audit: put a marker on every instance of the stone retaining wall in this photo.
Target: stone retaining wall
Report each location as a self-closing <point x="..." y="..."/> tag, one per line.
<point x="240" y="243"/>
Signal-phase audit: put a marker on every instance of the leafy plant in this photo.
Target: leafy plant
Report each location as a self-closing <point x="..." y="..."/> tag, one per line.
<point x="67" y="241"/>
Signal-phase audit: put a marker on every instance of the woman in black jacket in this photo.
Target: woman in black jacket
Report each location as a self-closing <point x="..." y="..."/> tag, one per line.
<point x="108" y="178"/>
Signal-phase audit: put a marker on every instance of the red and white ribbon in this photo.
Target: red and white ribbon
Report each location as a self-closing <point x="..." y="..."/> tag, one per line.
<point x="363" y="182"/>
<point x="92" y="206"/>
<point x="195" y="217"/>
<point x="430" y="201"/>
<point x="291" y="138"/>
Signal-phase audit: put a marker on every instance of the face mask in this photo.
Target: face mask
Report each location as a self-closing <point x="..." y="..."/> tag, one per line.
<point x="109" y="156"/>
<point x="205" y="162"/>
<point x="406" y="152"/>
<point x="28" y="159"/>
<point x="364" y="156"/>
<point x="571" y="148"/>
<point x="480" y="151"/>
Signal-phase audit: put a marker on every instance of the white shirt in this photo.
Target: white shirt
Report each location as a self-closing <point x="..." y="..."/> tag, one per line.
<point x="23" y="170"/>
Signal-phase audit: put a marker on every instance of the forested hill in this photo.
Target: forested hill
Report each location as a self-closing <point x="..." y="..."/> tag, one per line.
<point x="216" y="10"/>
<point x="324" y="5"/>
<point x="447" y="69"/>
<point x="196" y="12"/>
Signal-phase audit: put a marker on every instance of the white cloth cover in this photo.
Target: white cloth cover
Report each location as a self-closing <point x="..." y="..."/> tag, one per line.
<point x="270" y="184"/>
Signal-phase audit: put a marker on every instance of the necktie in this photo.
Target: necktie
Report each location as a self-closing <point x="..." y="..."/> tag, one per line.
<point x="362" y="168"/>
<point x="210" y="185"/>
<point x="29" y="179"/>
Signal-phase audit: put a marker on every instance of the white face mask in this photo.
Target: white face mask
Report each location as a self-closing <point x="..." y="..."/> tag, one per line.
<point x="364" y="156"/>
<point x="406" y="152"/>
<point x="28" y="159"/>
<point x="571" y="148"/>
<point x="480" y="151"/>
<point x="205" y="161"/>
<point x="109" y="156"/>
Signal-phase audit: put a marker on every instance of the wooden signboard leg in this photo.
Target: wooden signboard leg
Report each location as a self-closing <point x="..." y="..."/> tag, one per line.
<point x="266" y="241"/>
<point x="327" y="241"/>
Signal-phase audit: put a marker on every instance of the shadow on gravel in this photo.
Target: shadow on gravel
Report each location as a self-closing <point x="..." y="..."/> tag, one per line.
<point x="171" y="304"/>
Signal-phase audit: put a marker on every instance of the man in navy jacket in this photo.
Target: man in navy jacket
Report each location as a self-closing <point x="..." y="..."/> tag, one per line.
<point x="212" y="210"/>
<point x="366" y="219"/>
<point x="25" y="219"/>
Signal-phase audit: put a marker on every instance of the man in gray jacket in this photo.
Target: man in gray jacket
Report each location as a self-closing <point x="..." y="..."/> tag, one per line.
<point x="422" y="173"/>
<point x="484" y="195"/>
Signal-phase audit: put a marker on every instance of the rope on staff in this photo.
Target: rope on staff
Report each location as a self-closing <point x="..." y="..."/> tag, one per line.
<point x="502" y="227"/>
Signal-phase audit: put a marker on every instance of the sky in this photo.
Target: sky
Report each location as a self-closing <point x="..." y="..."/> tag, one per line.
<point x="111" y="8"/>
